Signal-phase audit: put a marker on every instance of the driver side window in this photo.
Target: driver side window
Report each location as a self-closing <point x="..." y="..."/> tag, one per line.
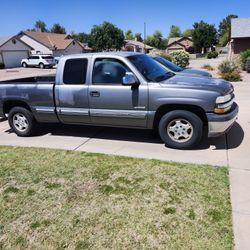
<point x="108" y="71"/>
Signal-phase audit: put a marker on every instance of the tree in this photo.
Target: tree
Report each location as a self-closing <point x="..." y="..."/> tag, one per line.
<point x="188" y="32"/>
<point x="204" y="36"/>
<point x="40" y="26"/>
<point x="225" y="25"/>
<point x="81" y="37"/>
<point x="224" y="39"/>
<point x="225" y="30"/>
<point x="175" y="31"/>
<point x="138" y="37"/>
<point x="57" y="28"/>
<point x="129" y="35"/>
<point x="156" y="40"/>
<point x="106" y="37"/>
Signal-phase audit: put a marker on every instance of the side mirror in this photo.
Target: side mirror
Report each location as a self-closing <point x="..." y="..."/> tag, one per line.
<point x="129" y="79"/>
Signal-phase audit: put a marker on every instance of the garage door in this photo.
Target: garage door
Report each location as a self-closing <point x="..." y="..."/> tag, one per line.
<point x="13" y="58"/>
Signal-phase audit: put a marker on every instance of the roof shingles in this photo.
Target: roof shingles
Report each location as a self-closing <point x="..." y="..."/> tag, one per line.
<point x="51" y="40"/>
<point x="240" y="27"/>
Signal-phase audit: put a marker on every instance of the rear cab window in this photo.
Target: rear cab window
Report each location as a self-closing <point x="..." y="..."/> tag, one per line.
<point x="47" y="57"/>
<point x="75" y="71"/>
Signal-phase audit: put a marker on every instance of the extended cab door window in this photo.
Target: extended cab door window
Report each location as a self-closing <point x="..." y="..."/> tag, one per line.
<point x="108" y="71"/>
<point x="75" y="71"/>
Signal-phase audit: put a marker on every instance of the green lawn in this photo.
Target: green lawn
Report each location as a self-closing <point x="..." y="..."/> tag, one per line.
<point x="55" y="199"/>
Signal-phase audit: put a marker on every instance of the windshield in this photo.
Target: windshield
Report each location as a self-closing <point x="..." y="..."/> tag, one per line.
<point x="168" y="64"/>
<point x="150" y="69"/>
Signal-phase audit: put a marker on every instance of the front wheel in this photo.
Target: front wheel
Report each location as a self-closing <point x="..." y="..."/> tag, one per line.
<point x="180" y="129"/>
<point x="22" y="121"/>
<point x="25" y="65"/>
<point x="41" y="65"/>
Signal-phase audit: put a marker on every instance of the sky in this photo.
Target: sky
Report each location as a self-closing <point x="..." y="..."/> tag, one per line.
<point x="80" y="16"/>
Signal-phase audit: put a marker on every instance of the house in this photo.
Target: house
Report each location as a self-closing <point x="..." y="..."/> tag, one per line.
<point x="51" y="43"/>
<point x="12" y="51"/>
<point x="136" y="46"/>
<point x="180" y="43"/>
<point x="86" y="47"/>
<point x="240" y="35"/>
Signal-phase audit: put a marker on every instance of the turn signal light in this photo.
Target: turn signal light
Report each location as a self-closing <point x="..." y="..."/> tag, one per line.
<point x="219" y="110"/>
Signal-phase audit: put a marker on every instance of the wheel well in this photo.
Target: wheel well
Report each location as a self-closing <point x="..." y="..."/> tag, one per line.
<point x="170" y="107"/>
<point x="8" y="105"/>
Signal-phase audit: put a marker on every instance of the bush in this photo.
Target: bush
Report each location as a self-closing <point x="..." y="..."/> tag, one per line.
<point x="232" y="76"/>
<point x="227" y="66"/>
<point x="180" y="58"/>
<point x="243" y="58"/>
<point x="2" y="66"/>
<point x="212" y="54"/>
<point x="208" y="67"/>
<point x="166" y="56"/>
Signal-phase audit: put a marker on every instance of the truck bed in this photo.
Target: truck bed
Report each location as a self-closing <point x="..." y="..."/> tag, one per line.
<point x="36" y="92"/>
<point x="46" y="79"/>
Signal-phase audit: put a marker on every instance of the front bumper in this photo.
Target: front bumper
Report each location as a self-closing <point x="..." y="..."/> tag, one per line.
<point x="220" y="123"/>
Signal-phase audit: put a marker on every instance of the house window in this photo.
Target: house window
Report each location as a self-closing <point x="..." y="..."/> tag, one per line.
<point x="74" y="43"/>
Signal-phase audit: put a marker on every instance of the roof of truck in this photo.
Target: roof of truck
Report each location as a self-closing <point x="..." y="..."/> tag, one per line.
<point x="116" y="53"/>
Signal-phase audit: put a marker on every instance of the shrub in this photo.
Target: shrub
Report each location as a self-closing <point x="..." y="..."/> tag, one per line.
<point x="2" y="66"/>
<point x="208" y="67"/>
<point x="243" y="58"/>
<point x="180" y="58"/>
<point x="227" y="66"/>
<point x="212" y="54"/>
<point x="232" y="76"/>
<point x="166" y="56"/>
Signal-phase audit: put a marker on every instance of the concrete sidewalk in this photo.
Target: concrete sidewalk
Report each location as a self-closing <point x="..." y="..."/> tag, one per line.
<point x="232" y="150"/>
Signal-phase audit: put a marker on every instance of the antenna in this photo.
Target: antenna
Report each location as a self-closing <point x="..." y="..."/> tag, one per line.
<point x="144" y="38"/>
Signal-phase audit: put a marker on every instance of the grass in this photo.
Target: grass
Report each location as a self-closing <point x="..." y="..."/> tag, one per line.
<point x="55" y="199"/>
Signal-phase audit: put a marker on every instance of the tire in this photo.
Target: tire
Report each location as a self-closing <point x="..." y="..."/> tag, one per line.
<point x="41" y="65"/>
<point x="180" y="129"/>
<point x="22" y="121"/>
<point x="25" y="65"/>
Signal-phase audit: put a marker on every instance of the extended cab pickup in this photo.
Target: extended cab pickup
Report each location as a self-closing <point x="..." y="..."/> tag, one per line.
<point x="121" y="89"/>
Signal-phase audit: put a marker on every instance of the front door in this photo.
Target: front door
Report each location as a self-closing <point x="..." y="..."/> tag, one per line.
<point x="72" y="94"/>
<point x="112" y="103"/>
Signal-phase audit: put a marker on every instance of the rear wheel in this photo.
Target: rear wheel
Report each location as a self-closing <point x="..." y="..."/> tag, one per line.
<point x="24" y="64"/>
<point x="180" y="129"/>
<point x="22" y="121"/>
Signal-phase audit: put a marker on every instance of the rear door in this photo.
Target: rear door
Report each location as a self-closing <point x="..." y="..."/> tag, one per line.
<point x="72" y="92"/>
<point x="112" y="103"/>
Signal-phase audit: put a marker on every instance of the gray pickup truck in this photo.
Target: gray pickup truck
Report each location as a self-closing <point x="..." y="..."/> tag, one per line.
<point x="121" y="89"/>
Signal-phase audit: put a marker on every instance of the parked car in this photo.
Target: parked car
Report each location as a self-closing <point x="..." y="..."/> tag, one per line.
<point x="121" y="89"/>
<point x="40" y="61"/>
<point x="179" y="70"/>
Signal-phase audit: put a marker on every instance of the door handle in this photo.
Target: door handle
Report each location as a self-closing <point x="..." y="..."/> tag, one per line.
<point x="95" y="93"/>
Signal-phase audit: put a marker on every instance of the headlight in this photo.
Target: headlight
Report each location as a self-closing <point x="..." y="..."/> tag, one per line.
<point x="224" y="103"/>
<point x="223" y="99"/>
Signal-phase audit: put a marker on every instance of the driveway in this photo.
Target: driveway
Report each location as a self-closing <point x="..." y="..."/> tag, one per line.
<point x="230" y="150"/>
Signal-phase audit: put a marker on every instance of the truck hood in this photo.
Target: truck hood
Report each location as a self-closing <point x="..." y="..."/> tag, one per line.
<point x="196" y="72"/>
<point x="207" y="83"/>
